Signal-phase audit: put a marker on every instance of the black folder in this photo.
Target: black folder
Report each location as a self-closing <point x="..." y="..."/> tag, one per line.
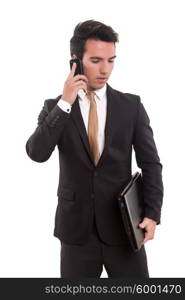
<point x="131" y="206"/>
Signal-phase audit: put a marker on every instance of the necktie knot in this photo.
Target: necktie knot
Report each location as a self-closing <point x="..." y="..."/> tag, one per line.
<point x="91" y="95"/>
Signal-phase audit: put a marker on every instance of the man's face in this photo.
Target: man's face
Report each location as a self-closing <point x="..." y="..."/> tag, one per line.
<point x="98" y="62"/>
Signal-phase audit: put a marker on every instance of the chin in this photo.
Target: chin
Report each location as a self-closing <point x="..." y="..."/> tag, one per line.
<point x="96" y="86"/>
<point x="99" y="86"/>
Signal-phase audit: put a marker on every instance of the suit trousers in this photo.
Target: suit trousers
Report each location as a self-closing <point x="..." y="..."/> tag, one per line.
<point x="80" y="261"/>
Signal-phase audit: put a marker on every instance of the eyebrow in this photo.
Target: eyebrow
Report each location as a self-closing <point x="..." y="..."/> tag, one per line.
<point x="97" y="57"/>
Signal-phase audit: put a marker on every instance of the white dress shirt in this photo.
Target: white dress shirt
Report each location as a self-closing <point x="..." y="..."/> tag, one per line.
<point x="101" y="103"/>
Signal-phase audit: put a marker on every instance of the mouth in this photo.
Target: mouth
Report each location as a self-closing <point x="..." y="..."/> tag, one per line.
<point x="102" y="79"/>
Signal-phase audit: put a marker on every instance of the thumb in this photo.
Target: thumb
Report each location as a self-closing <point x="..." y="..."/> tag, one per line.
<point x="143" y="224"/>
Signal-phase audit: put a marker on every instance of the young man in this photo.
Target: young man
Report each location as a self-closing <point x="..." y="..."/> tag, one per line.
<point x="95" y="128"/>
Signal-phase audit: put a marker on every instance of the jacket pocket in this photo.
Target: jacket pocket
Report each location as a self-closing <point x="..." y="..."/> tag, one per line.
<point x="66" y="194"/>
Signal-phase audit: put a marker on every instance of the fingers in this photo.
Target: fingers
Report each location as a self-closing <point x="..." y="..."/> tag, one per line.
<point x="71" y="74"/>
<point x="73" y="84"/>
<point x="81" y="85"/>
<point x="149" y="226"/>
<point x="143" y="224"/>
<point x="78" y="76"/>
<point x="81" y="77"/>
<point x="149" y="235"/>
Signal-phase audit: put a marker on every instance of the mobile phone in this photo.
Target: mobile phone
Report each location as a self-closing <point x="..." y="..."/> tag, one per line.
<point x="79" y="67"/>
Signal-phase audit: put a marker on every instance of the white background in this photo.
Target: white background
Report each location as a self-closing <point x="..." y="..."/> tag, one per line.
<point x="34" y="64"/>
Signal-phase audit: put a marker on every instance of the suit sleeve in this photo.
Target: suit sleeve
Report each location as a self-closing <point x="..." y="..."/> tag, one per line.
<point x="51" y="122"/>
<point x="148" y="160"/>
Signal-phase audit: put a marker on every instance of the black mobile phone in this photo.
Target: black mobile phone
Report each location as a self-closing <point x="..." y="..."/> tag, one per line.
<point x="79" y="67"/>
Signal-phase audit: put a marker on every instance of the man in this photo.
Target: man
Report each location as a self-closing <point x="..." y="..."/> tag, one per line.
<point x="95" y="128"/>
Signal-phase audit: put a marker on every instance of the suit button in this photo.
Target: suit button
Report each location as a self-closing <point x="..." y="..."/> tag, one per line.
<point x="92" y="196"/>
<point x="95" y="174"/>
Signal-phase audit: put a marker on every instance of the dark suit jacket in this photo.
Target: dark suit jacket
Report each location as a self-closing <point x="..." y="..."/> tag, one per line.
<point x="86" y="190"/>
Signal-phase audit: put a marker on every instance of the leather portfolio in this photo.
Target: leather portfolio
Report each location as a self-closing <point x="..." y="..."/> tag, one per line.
<point x="131" y="206"/>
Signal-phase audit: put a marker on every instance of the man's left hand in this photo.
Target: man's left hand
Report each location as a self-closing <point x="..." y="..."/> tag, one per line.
<point x="149" y="225"/>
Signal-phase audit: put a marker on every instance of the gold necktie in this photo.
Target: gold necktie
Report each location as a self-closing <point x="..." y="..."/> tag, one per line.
<point x="93" y="127"/>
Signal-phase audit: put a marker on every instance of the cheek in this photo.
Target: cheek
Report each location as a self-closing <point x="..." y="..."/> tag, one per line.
<point x="112" y="66"/>
<point x="90" y="70"/>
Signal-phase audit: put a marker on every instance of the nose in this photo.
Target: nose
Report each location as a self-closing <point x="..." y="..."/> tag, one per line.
<point x="104" y="68"/>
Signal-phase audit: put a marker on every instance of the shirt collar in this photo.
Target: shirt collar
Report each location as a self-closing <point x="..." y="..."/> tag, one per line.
<point x="99" y="93"/>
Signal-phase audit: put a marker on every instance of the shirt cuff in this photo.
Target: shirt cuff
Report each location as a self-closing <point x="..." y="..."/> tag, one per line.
<point x="64" y="105"/>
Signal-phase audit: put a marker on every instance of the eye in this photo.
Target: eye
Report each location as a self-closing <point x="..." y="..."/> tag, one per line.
<point x="95" y="61"/>
<point x="111" y="61"/>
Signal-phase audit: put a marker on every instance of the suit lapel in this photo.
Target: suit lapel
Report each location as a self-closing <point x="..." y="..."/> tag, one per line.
<point x="78" y="120"/>
<point x="110" y="121"/>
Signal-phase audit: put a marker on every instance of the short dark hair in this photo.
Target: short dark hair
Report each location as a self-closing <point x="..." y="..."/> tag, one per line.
<point x="90" y="29"/>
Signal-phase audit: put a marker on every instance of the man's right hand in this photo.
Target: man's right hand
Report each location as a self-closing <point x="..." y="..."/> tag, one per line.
<point x="73" y="84"/>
